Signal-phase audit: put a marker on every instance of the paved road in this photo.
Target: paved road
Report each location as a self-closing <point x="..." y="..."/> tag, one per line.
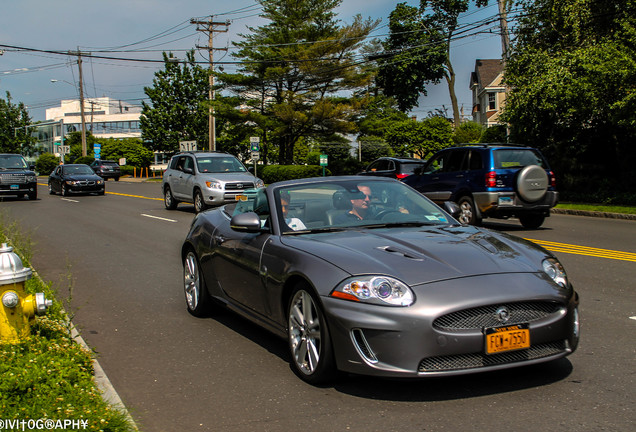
<point x="176" y="372"/>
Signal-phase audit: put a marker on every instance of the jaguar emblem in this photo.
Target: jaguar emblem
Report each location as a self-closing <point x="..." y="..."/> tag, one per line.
<point x="502" y="314"/>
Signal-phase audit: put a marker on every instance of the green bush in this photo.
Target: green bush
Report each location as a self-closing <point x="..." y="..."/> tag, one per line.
<point x="84" y="160"/>
<point x="46" y="163"/>
<point x="275" y="173"/>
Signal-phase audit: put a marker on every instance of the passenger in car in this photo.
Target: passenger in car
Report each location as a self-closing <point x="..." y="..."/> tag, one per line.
<point x="293" y="223"/>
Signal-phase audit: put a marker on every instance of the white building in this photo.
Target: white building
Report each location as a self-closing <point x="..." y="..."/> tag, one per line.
<point x="104" y="117"/>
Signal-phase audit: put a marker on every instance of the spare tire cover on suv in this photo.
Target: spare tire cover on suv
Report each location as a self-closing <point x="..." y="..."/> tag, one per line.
<point x="532" y="183"/>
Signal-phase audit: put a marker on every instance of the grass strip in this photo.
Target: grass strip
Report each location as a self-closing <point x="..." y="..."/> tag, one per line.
<point x="49" y="376"/>
<point x="597" y="208"/>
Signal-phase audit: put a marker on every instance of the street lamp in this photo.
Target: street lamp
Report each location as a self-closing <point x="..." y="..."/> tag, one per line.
<point x="81" y="97"/>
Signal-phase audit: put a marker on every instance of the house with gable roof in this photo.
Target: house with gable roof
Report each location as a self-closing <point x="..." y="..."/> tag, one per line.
<point x="489" y="91"/>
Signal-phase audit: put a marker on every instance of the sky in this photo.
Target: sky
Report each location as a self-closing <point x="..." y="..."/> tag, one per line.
<point x="143" y="29"/>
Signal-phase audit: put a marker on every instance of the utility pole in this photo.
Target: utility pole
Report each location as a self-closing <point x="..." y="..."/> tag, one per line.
<point x="81" y="97"/>
<point x="210" y="27"/>
<point x="503" y="22"/>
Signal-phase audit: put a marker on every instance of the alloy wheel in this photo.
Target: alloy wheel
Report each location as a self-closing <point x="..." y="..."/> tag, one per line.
<point x="305" y="332"/>
<point x="191" y="281"/>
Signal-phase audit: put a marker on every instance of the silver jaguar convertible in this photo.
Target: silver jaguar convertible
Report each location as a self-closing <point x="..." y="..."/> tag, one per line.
<point x="365" y="275"/>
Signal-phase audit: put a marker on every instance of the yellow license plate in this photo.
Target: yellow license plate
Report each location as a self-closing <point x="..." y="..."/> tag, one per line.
<point x="507" y="338"/>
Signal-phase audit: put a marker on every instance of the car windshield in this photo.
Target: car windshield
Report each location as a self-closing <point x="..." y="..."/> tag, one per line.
<point x="343" y="204"/>
<point x="515" y="158"/>
<point x="219" y="164"/>
<point x="77" y="169"/>
<point x="12" y="162"/>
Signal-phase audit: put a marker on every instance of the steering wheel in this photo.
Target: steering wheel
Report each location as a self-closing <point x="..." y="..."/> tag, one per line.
<point x="382" y="214"/>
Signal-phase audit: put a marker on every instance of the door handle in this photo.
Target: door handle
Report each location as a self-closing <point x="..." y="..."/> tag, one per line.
<point x="219" y="239"/>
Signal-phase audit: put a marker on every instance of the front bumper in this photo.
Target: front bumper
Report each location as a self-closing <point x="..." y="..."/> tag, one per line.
<point x="408" y="342"/>
<point x="87" y="187"/>
<point x="18" y="189"/>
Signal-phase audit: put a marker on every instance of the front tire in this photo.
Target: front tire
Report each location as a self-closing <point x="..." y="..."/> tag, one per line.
<point x="51" y="191"/>
<point x="199" y="203"/>
<point x="196" y="293"/>
<point x="309" y="339"/>
<point x="64" y="191"/>
<point x="468" y="213"/>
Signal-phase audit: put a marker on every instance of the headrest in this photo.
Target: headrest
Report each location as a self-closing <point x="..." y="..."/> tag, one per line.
<point x="341" y="200"/>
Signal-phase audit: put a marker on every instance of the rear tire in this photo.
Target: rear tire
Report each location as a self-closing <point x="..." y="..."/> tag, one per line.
<point x="532" y="221"/>
<point x="168" y="199"/>
<point x="468" y="214"/>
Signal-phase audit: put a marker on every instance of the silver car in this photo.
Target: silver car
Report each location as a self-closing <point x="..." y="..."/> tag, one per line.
<point x="205" y="180"/>
<point x="366" y="275"/>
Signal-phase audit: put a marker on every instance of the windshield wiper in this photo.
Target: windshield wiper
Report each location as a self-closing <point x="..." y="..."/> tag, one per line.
<point x="317" y="230"/>
<point x="402" y="224"/>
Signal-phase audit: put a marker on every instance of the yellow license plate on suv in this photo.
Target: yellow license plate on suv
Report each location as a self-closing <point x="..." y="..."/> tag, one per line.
<point x="507" y="338"/>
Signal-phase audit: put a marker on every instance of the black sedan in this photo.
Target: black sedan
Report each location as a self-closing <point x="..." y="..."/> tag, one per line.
<point x="75" y="178"/>
<point x="365" y="275"/>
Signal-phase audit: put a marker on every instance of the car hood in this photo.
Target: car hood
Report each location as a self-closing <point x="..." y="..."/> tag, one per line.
<point x="81" y="177"/>
<point x="422" y="255"/>
<point x="231" y="177"/>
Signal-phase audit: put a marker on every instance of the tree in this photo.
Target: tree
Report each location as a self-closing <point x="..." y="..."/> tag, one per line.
<point x="573" y="78"/>
<point x="294" y="72"/>
<point x="375" y="114"/>
<point x="46" y="163"/>
<point x="420" y="138"/>
<point x="179" y="106"/>
<point x="13" y="136"/>
<point x="74" y="141"/>
<point x="468" y="132"/>
<point x="417" y="51"/>
<point x="131" y="149"/>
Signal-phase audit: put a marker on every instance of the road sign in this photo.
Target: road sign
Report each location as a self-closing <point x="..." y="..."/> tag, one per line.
<point x="323" y="160"/>
<point x="97" y="150"/>
<point x="187" y="145"/>
<point x="256" y="155"/>
<point x="64" y="149"/>
<point x="255" y="143"/>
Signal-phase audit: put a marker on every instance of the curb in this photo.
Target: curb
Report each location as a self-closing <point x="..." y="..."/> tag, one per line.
<point x="597" y="214"/>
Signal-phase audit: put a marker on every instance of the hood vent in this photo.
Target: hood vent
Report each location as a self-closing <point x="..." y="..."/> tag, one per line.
<point x="405" y="254"/>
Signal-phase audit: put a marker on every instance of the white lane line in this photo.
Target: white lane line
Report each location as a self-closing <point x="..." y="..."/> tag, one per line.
<point x="69" y="200"/>
<point x="160" y="218"/>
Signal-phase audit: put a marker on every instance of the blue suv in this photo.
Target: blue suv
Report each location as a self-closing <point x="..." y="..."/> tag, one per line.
<point x="490" y="180"/>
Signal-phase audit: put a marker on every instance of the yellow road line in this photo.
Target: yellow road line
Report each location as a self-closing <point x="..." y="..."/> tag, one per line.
<point x="585" y="250"/>
<point x="134" y="196"/>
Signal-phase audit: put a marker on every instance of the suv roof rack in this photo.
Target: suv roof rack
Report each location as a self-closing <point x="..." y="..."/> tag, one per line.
<point x="487" y="145"/>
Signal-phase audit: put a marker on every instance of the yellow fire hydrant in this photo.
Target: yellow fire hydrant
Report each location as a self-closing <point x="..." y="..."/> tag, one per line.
<point x="18" y="308"/>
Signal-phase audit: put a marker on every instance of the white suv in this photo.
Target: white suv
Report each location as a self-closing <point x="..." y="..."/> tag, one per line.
<point x="205" y="179"/>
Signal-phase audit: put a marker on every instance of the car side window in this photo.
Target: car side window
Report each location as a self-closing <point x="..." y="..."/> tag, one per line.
<point x="456" y="161"/>
<point x="476" y="162"/>
<point x="436" y="164"/>
<point x="188" y="163"/>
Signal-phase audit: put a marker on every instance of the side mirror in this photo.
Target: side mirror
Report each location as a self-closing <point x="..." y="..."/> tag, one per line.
<point x="188" y="170"/>
<point x="246" y="222"/>
<point x="452" y="209"/>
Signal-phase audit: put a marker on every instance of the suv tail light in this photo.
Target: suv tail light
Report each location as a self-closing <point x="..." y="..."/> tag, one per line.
<point x="552" y="179"/>
<point x="491" y="179"/>
<point x="400" y="176"/>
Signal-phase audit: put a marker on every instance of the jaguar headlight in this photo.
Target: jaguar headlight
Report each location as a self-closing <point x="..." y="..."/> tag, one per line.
<point x="555" y="270"/>
<point x="382" y="290"/>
